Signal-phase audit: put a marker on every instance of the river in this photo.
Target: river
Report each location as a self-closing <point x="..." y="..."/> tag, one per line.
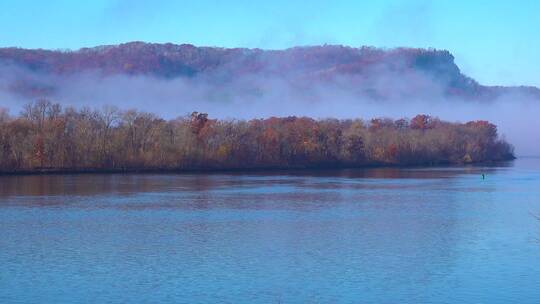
<point x="408" y="235"/>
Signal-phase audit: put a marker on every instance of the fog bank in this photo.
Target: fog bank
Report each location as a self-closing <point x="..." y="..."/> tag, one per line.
<point x="384" y="94"/>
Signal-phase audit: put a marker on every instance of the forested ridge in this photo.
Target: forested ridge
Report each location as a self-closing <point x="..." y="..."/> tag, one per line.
<point x="46" y="137"/>
<point x="374" y="73"/>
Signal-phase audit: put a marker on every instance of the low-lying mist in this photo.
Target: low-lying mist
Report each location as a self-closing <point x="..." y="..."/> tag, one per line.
<point x="263" y="95"/>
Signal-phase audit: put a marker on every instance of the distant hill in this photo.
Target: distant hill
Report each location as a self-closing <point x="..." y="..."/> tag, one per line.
<point x="368" y="72"/>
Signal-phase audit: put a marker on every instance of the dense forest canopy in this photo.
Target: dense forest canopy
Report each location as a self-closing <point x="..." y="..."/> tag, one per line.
<point x="47" y="137"/>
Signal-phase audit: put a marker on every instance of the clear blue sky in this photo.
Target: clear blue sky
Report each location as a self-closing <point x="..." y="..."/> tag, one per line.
<point x="496" y="42"/>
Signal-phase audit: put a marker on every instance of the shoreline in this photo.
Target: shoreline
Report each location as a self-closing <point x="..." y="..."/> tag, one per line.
<point x="284" y="169"/>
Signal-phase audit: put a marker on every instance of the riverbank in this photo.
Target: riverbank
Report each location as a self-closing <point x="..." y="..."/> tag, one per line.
<point x="285" y="169"/>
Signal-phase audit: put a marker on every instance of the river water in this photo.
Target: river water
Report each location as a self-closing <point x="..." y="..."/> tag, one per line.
<point x="435" y="235"/>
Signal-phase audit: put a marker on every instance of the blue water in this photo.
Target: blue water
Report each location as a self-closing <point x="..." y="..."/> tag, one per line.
<point x="438" y="235"/>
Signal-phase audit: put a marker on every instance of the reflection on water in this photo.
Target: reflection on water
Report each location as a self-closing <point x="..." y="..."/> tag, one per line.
<point x="374" y="235"/>
<point x="97" y="184"/>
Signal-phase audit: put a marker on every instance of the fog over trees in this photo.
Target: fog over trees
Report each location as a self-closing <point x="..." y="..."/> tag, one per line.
<point x="46" y="136"/>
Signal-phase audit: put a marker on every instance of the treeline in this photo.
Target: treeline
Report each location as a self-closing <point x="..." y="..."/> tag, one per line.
<point x="46" y="137"/>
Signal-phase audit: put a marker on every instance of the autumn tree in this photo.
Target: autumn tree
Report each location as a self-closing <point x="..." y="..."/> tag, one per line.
<point x="45" y="136"/>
